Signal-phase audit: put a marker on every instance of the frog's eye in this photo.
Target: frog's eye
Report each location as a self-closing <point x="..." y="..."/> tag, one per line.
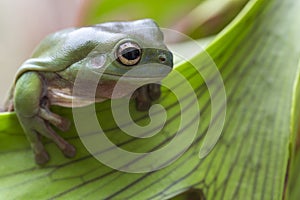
<point x="128" y="53"/>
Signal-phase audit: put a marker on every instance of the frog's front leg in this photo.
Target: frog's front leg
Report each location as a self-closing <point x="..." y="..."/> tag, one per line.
<point x="146" y="94"/>
<point x="32" y="108"/>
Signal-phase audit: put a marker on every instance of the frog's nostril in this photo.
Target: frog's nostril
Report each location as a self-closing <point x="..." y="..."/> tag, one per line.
<point x="162" y="58"/>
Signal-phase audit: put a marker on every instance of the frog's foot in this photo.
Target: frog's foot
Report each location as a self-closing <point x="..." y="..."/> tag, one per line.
<point x="145" y="95"/>
<point x="40" y="126"/>
<point x="46" y="130"/>
<point x="41" y="157"/>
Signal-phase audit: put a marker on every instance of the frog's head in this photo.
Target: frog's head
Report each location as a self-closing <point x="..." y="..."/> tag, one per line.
<point x="133" y="52"/>
<point x="137" y="51"/>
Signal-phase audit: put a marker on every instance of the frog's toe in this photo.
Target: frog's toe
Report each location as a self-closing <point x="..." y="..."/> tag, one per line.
<point x="64" y="124"/>
<point x="42" y="157"/>
<point x="46" y="130"/>
<point x="69" y="151"/>
<point x="143" y="101"/>
<point x="154" y="91"/>
<point x="58" y="121"/>
<point x="146" y="94"/>
<point x="143" y="105"/>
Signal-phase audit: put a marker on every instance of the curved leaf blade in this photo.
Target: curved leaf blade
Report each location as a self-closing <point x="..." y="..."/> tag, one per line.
<point x="257" y="56"/>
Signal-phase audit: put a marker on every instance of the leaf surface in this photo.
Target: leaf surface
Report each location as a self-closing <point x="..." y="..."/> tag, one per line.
<point x="257" y="56"/>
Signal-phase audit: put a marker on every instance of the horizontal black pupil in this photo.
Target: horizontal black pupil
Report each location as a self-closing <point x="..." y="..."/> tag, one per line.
<point x="131" y="53"/>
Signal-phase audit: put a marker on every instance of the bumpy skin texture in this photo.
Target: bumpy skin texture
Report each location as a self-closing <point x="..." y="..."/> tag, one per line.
<point x="47" y="78"/>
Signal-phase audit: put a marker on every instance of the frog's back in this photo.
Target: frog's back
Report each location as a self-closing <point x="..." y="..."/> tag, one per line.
<point x="61" y="49"/>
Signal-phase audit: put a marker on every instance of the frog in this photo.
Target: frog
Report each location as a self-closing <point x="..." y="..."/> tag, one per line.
<point x="113" y="49"/>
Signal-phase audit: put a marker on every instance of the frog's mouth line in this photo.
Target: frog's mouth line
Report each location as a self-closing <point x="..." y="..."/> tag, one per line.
<point x="131" y="78"/>
<point x="141" y="73"/>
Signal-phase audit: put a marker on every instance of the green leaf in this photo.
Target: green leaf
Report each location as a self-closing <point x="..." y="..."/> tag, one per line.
<point x="294" y="182"/>
<point x="257" y="56"/>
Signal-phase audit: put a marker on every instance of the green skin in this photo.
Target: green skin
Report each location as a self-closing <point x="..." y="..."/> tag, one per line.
<point x="48" y="77"/>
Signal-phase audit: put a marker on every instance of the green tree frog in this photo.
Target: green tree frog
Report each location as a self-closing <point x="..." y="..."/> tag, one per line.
<point x="113" y="48"/>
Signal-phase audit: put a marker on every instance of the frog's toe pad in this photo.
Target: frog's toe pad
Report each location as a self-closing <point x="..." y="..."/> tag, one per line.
<point x="69" y="151"/>
<point x="154" y="91"/>
<point x="143" y="105"/>
<point x="64" y="125"/>
<point x="42" y="157"/>
<point x="154" y="95"/>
